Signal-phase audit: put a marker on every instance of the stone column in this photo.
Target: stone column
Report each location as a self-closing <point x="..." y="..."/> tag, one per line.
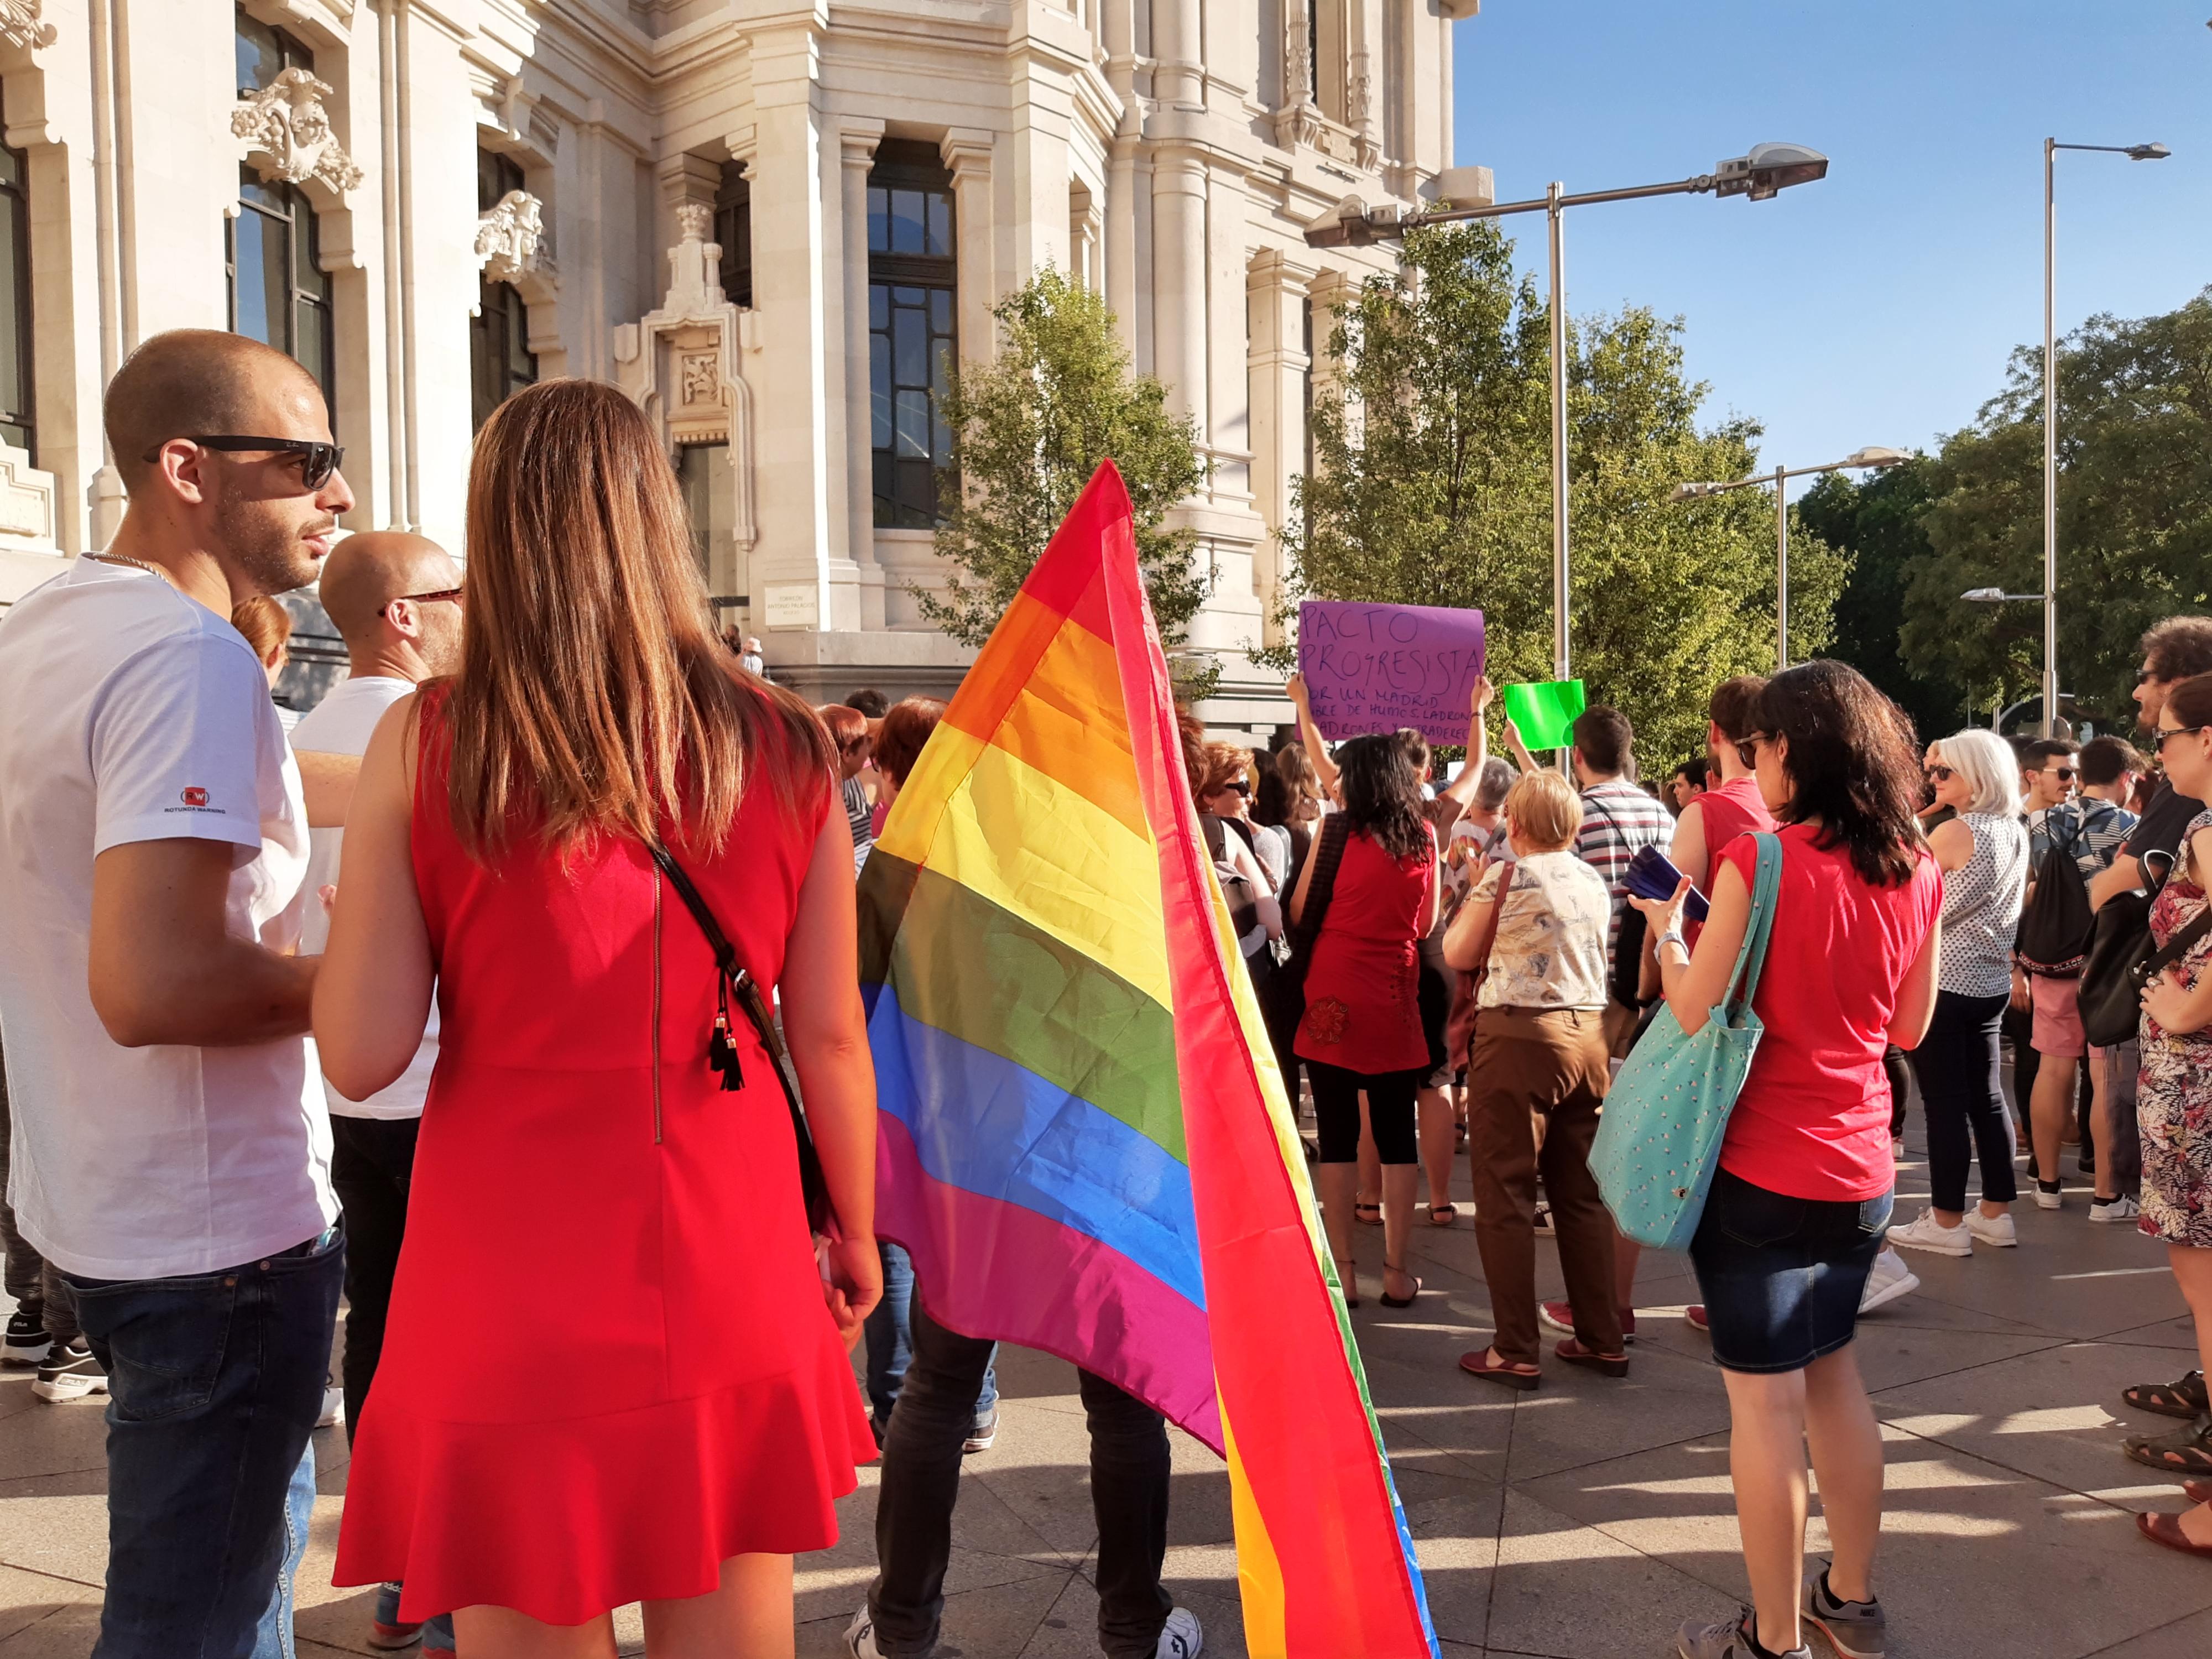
<point x="967" y="152"/>
<point x="1179" y="285"/>
<point x="1179" y="67"/>
<point x="791" y="574"/>
<point x="1276" y="291"/>
<point x="858" y="138"/>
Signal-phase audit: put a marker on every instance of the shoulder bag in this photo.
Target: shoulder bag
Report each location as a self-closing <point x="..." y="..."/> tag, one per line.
<point x="2122" y="959"/>
<point x="734" y="982"/>
<point x="1467" y="984"/>
<point x="1659" y="1138"/>
<point x="1283" y="996"/>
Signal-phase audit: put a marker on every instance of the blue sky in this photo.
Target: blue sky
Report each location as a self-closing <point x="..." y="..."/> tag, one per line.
<point x="1878" y="305"/>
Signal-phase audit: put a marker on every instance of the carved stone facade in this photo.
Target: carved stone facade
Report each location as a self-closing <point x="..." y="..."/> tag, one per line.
<point x="287" y="133"/>
<point x="1169" y="152"/>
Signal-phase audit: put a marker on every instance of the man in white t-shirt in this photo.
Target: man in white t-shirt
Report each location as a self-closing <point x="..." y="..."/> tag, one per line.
<point x="395" y="598"/>
<point x="172" y="1149"/>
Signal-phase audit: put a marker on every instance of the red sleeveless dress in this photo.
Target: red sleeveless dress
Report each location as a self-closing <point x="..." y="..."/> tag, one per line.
<point x="608" y="1366"/>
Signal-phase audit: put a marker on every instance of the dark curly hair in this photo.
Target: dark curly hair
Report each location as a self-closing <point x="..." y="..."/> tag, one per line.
<point x="1852" y="765"/>
<point x="1383" y="792"/>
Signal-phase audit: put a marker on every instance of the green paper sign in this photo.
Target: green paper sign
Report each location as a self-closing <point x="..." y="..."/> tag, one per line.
<point x="1545" y="711"/>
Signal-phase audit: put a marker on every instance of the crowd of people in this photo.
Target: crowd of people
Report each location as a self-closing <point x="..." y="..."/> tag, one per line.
<point x="464" y="974"/>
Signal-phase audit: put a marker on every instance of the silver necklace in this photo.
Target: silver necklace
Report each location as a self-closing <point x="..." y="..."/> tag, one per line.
<point x="124" y="558"/>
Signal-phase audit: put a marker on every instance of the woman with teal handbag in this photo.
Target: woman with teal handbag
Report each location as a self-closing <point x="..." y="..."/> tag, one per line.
<point x="1797" y="1207"/>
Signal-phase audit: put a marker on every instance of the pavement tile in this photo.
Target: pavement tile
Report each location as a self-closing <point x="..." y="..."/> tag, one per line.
<point x="68" y="1632"/>
<point x="2185" y="1638"/>
<point x="26" y="1598"/>
<point x="1567" y="1589"/>
<point x="2055" y="1414"/>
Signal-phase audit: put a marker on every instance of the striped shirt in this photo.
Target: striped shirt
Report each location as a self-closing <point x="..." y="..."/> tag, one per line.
<point x="1619" y="821"/>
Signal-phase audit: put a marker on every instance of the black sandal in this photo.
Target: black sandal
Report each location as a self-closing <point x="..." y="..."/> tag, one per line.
<point x="1366" y="1214"/>
<point x="1390" y="1301"/>
<point x="2185" y="1451"/>
<point x="2185" y="1398"/>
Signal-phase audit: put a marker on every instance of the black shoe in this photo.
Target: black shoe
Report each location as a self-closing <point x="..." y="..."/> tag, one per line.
<point x="26" y="1342"/>
<point x="70" y="1373"/>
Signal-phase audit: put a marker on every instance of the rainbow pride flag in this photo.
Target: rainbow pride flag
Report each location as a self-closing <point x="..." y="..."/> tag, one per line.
<point x="1084" y="1140"/>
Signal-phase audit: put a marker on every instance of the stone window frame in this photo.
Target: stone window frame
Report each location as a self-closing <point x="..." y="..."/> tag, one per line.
<point x="499" y="331"/>
<point x="19" y="426"/>
<point x="909" y="165"/>
<point x="277" y="203"/>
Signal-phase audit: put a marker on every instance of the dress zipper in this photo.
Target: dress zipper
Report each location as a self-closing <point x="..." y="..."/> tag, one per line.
<point x="656" y="1006"/>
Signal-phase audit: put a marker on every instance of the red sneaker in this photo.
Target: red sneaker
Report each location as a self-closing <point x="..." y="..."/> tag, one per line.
<point x="1560" y="1316"/>
<point x="1695" y="1313"/>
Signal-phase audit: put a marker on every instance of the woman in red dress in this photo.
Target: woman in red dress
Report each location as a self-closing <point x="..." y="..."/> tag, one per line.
<point x="1362" y="1030"/>
<point x="613" y="1371"/>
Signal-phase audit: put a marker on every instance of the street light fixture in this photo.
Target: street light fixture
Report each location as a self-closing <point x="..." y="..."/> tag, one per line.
<point x="1873" y="458"/>
<point x="1764" y="172"/>
<point x="2051" y="148"/>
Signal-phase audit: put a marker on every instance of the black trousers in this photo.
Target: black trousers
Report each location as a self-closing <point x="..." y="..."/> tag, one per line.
<point x="372" y="1161"/>
<point x="935" y="1412"/>
<point x="1392" y="1112"/>
<point x="1957" y="1066"/>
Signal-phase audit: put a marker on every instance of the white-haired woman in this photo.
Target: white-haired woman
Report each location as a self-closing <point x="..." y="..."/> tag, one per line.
<point x="1983" y="852"/>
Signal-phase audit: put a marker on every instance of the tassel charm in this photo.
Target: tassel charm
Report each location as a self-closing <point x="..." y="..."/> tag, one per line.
<point x="722" y="1055"/>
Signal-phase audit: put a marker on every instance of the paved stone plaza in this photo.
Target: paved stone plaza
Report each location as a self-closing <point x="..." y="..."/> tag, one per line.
<point x="1584" y="1521"/>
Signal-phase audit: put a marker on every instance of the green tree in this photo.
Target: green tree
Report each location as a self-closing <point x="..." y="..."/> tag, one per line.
<point x="1877" y="524"/>
<point x="2134" y="515"/>
<point x="1028" y="431"/>
<point x="1432" y="485"/>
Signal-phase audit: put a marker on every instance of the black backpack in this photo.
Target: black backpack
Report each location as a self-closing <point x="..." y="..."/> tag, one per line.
<point x="2054" y="929"/>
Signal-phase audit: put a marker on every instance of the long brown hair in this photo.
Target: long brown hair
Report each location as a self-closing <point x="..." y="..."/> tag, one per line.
<point x="593" y="696"/>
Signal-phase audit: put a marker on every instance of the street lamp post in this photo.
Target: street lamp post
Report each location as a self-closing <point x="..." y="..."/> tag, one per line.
<point x="1873" y="458"/>
<point x="1768" y="170"/>
<point x="2051" y="148"/>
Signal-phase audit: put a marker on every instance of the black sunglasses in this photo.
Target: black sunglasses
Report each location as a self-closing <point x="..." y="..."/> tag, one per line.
<point x="317" y="460"/>
<point x="1938" y="773"/>
<point x="1238" y="786"/>
<point x="2177" y="731"/>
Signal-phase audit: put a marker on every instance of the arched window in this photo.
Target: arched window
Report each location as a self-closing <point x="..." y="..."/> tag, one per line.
<point x="15" y="418"/>
<point x="272" y="251"/>
<point x="501" y="362"/>
<point x="914" y="278"/>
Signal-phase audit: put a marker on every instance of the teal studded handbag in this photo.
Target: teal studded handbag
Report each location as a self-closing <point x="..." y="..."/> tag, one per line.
<point x="1659" y="1138"/>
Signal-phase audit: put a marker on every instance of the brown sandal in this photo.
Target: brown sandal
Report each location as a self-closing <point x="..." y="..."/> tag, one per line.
<point x="1524" y="1378"/>
<point x="2198" y="1491"/>
<point x="2162" y="1529"/>
<point x="1442" y="1215"/>
<point x="2184" y="1398"/>
<point x="1366" y="1214"/>
<point x="2185" y="1451"/>
<point x="1571" y="1350"/>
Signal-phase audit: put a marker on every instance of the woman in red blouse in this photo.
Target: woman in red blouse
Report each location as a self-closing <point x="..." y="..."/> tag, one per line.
<point x="1362" y="1030"/>
<point x="1802" y="1199"/>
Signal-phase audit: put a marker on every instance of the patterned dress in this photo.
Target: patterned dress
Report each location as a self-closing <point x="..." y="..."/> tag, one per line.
<point x="2173" y="1100"/>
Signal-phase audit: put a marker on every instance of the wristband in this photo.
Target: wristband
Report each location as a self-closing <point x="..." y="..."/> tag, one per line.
<point x="1670" y="937"/>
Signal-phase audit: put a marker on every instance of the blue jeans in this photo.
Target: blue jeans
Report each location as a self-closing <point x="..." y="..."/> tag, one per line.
<point x="215" y="1382"/>
<point x="891" y="1345"/>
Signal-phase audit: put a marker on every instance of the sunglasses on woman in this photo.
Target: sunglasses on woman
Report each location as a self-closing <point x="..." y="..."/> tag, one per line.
<point x="1940" y="773"/>
<point x="2175" y="731"/>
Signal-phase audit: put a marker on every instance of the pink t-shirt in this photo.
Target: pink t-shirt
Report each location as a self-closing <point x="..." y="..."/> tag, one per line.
<point x="1812" y="1120"/>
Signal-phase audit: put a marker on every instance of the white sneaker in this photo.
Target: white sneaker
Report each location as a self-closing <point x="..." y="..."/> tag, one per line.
<point x="2121" y="1208"/>
<point x="1890" y="1280"/>
<point x="1181" y="1637"/>
<point x="1926" y="1233"/>
<point x="333" y="1406"/>
<point x="1993" y="1229"/>
<point x="2046" y="1199"/>
<point x="1897" y="1150"/>
<point x="860" y="1636"/>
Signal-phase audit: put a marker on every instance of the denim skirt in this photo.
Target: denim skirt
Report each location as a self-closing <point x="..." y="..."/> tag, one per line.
<point x="1782" y="1277"/>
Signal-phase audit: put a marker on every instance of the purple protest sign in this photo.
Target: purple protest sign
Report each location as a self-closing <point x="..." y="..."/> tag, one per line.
<point x="1377" y="668"/>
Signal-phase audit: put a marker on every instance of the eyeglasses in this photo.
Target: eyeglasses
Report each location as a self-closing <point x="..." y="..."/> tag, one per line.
<point x="1747" y="751"/>
<point x="2175" y="731"/>
<point x="1940" y="773"/>
<point x="2063" y="774"/>
<point x="451" y="594"/>
<point x="317" y="460"/>
<point x="1237" y="786"/>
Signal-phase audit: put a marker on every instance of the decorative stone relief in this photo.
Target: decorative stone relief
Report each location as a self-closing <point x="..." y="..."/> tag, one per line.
<point x="27" y="503"/>
<point x="287" y="133"/>
<point x="20" y="24"/>
<point x="511" y="240"/>
<point x="681" y="363"/>
<point x="1299" y="120"/>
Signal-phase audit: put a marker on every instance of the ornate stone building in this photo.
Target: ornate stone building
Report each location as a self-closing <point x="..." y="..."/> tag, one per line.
<point x="775" y="223"/>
